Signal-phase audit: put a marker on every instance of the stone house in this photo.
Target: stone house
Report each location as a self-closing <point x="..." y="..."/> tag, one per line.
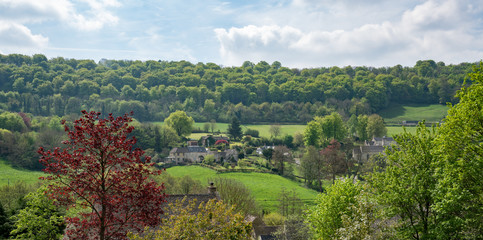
<point x="371" y="148"/>
<point x="190" y="154"/>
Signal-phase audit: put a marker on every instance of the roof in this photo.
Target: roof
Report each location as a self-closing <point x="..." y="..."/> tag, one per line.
<point x="188" y="149"/>
<point x="365" y="149"/>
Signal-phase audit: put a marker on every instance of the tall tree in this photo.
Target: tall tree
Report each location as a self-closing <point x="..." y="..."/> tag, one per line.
<point x="181" y="123"/>
<point x="312" y="166"/>
<point x="281" y="156"/>
<point x="405" y="188"/>
<point x="334" y="159"/>
<point x="41" y="219"/>
<point x="459" y="201"/>
<point x="326" y="217"/>
<point x="275" y="131"/>
<point x="99" y="170"/>
<point x="234" y="129"/>
<point x="375" y="126"/>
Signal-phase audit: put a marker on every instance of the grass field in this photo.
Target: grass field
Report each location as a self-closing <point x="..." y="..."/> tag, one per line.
<point x="10" y="175"/>
<point x="264" y="187"/>
<point x="396" y="113"/>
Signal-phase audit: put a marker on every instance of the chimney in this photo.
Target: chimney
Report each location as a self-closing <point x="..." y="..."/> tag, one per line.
<point x="212" y="188"/>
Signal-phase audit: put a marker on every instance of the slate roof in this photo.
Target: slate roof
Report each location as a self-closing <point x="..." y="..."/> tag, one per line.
<point x="188" y="149"/>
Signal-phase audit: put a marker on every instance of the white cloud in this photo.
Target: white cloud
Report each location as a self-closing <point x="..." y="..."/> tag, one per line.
<point x="25" y="11"/>
<point x="440" y="30"/>
<point x="16" y="38"/>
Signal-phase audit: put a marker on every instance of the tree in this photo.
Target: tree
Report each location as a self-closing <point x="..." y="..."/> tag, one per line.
<point x="41" y="219"/>
<point x="333" y="159"/>
<point x="313" y="167"/>
<point x="181" y="123"/>
<point x="212" y="125"/>
<point x="234" y="129"/>
<point x="281" y="156"/>
<point x="405" y="188"/>
<point x="459" y="191"/>
<point x="236" y="194"/>
<point x="375" y="126"/>
<point x="293" y="228"/>
<point x="326" y="217"/>
<point x="100" y="171"/>
<point x="361" y="128"/>
<point x="5" y="225"/>
<point x="190" y="220"/>
<point x="320" y="131"/>
<point x="275" y="131"/>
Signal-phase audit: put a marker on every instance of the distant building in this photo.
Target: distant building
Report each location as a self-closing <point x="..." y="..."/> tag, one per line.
<point x="190" y="154"/>
<point x="210" y="140"/>
<point x="371" y="148"/>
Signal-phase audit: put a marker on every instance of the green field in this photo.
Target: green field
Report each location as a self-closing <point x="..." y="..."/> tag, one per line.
<point x="391" y="130"/>
<point x="396" y="113"/>
<point x="10" y="175"/>
<point x="264" y="187"/>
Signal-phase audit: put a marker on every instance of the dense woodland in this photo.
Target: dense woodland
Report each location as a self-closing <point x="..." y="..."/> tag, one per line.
<point x="254" y="93"/>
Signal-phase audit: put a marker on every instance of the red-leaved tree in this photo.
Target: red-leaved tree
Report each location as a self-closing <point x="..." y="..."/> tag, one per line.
<point x="334" y="159"/>
<point x="100" y="171"/>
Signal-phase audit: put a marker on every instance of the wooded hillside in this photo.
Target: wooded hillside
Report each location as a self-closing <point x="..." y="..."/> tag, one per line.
<point x="259" y="92"/>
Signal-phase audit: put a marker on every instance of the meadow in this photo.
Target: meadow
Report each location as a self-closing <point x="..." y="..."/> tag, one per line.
<point x="10" y="175"/>
<point x="396" y="113"/>
<point x="265" y="187"/>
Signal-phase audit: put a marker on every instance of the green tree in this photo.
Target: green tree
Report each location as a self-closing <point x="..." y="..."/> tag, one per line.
<point x="375" y="126"/>
<point x="190" y="220"/>
<point x="181" y="123"/>
<point x="361" y="128"/>
<point x="321" y="130"/>
<point x="312" y="167"/>
<point x="405" y="188"/>
<point x="5" y="225"/>
<point x="234" y="129"/>
<point x="326" y="217"/>
<point x="459" y="191"/>
<point x="275" y="131"/>
<point x="41" y="219"/>
<point x="236" y="194"/>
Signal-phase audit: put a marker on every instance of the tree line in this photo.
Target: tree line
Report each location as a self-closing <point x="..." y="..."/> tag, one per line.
<point x="252" y="92"/>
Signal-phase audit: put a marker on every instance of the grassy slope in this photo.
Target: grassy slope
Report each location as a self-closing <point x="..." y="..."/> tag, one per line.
<point x="8" y="174"/>
<point x="397" y="113"/>
<point x="264" y="187"/>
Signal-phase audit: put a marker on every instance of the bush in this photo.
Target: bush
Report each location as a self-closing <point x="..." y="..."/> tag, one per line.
<point x="252" y="132"/>
<point x="273" y="219"/>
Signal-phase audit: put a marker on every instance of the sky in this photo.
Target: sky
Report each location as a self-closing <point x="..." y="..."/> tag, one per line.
<point x="297" y="33"/>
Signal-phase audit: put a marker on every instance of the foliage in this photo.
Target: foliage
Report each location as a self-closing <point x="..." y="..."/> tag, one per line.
<point x="190" y="220"/>
<point x="333" y="159"/>
<point x="459" y="190"/>
<point x="405" y="187"/>
<point x="234" y="129"/>
<point x="180" y="122"/>
<point x="252" y="132"/>
<point x="41" y="219"/>
<point x="281" y="157"/>
<point x="275" y="131"/>
<point x="326" y="217"/>
<point x="321" y="131"/>
<point x="236" y="194"/>
<point x="312" y="167"/>
<point x="273" y="219"/>
<point x="375" y="126"/>
<point x="99" y="168"/>
<point x="5" y="225"/>
<point x="12" y="196"/>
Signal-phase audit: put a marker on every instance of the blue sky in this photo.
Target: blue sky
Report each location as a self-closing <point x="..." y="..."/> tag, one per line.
<point x="298" y="33"/>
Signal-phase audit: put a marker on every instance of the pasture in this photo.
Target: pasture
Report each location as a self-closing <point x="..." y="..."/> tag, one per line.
<point x="265" y="187"/>
<point x="396" y="113"/>
<point x="10" y="175"/>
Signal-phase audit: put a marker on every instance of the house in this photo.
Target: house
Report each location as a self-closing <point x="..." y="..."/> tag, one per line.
<point x="210" y="140"/>
<point x="372" y="147"/>
<point x="226" y="155"/>
<point x="189" y="154"/>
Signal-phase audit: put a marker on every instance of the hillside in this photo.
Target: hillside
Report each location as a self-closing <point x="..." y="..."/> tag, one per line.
<point x="264" y="187"/>
<point x="9" y="175"/>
